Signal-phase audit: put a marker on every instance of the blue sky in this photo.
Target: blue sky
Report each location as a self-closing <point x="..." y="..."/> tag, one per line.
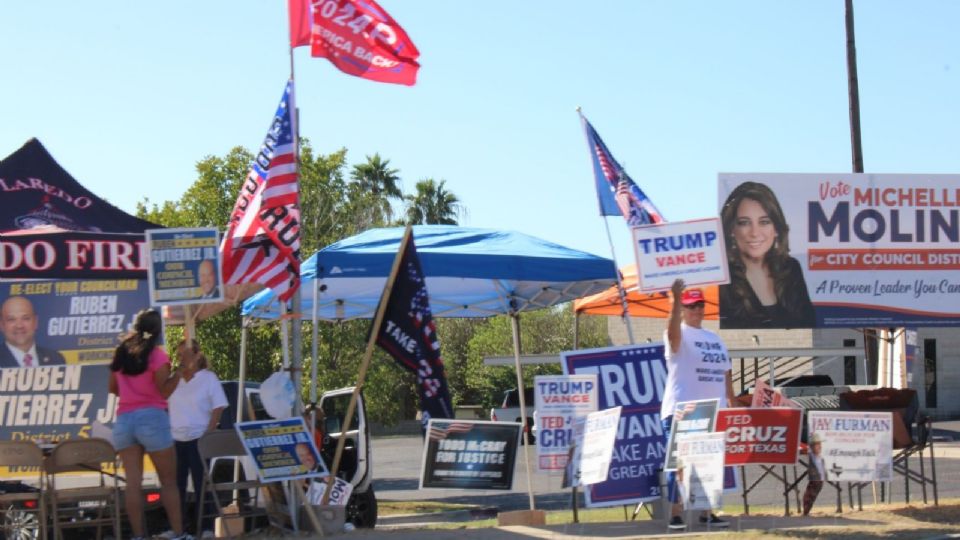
<point x="128" y="96"/>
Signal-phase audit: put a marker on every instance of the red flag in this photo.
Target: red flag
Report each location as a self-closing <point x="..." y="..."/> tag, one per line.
<point x="299" y="22"/>
<point x="262" y="244"/>
<point x="362" y="39"/>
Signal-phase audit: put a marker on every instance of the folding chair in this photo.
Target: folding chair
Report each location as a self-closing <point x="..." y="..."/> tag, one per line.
<point x="83" y="507"/>
<point x="22" y="509"/>
<point x="236" y="496"/>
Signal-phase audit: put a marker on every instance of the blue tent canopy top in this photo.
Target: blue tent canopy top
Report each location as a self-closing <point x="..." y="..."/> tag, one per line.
<point x="470" y="273"/>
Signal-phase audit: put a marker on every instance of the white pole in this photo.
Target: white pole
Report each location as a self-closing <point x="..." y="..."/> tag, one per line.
<point x="515" y="320"/>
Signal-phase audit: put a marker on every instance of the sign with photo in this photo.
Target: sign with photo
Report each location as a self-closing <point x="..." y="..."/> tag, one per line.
<point x="462" y="454"/>
<point x="558" y="400"/>
<point x="689" y="418"/>
<point x="281" y="449"/>
<point x="631" y="377"/>
<point x="184" y="266"/>
<point x="842" y="250"/>
<point x="690" y="250"/>
<point x="769" y="436"/>
<point x="700" y="473"/>
<point x="599" y="436"/>
<point x="855" y="446"/>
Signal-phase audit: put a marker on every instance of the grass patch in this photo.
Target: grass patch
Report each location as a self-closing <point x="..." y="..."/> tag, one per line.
<point x="395" y="508"/>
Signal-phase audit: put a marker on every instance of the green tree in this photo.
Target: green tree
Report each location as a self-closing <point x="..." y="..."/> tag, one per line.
<point x="375" y="185"/>
<point x="433" y="204"/>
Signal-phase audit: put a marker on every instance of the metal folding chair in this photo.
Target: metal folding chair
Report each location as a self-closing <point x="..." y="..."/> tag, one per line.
<point x="88" y="506"/>
<point x="22" y="509"/>
<point x="238" y="499"/>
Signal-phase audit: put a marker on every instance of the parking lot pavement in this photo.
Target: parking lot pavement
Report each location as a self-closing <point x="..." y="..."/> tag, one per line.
<point x="397" y="462"/>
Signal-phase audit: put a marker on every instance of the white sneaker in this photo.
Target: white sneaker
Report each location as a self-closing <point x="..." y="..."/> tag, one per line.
<point x="167" y="535"/>
<point x="206" y="534"/>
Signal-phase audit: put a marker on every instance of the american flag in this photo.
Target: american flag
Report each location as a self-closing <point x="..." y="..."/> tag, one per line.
<point x="616" y="192"/>
<point x="440" y="430"/>
<point x="262" y="244"/>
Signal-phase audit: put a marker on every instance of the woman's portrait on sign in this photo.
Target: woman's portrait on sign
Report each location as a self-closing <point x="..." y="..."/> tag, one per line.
<point x="766" y="288"/>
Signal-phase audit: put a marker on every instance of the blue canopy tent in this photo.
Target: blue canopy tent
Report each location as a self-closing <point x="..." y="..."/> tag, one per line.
<point x="469" y="272"/>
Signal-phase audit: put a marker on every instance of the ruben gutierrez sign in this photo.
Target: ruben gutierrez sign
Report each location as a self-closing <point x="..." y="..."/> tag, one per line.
<point x="852" y="249"/>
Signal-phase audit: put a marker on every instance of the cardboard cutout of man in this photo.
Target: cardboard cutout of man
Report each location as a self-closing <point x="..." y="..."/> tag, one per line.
<point x="19" y="323"/>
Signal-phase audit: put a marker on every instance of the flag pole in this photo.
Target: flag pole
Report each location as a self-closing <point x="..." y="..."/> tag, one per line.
<point x="625" y="314"/>
<point x="365" y="363"/>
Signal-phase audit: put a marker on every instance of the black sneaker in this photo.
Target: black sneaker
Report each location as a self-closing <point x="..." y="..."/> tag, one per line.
<point x="676" y="522"/>
<point x="714" y="521"/>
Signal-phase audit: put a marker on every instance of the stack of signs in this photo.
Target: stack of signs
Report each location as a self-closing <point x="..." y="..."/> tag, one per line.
<point x="700" y="470"/>
<point x="462" y="454"/>
<point x="559" y="400"/>
<point x="630" y="377"/>
<point x="281" y="449"/>
<point x="599" y="436"/>
<point x="855" y="446"/>
<point x="689" y="418"/>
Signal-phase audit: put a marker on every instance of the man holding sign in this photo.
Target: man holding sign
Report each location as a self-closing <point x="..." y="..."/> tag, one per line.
<point x="698" y="367"/>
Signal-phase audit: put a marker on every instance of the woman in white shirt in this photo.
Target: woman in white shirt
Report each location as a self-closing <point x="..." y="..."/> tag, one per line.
<point x="195" y="409"/>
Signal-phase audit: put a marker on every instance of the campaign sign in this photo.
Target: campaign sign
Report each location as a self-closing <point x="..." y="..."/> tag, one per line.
<point x="462" y="454"/>
<point x="689" y="418"/>
<point x="338" y="497"/>
<point x="73" y="255"/>
<point x="761" y="436"/>
<point x="571" y="472"/>
<point x="855" y="446"/>
<point x="631" y="377"/>
<point x="765" y="395"/>
<point x="559" y="399"/>
<point x="184" y="266"/>
<point x="690" y="250"/>
<point x="850" y="250"/>
<point x="701" y="471"/>
<point x="599" y="438"/>
<point x="281" y="449"/>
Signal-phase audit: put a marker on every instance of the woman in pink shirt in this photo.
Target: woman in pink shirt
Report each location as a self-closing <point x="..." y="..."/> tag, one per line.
<point x="140" y="376"/>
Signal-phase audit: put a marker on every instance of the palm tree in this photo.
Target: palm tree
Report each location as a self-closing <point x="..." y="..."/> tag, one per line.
<point x="378" y="183"/>
<point x="433" y="204"/>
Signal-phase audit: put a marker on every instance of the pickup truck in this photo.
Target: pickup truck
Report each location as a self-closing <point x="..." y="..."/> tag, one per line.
<point x="509" y="411"/>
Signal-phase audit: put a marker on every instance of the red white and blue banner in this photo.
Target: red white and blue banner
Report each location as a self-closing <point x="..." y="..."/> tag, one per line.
<point x="842" y="250"/>
<point x="262" y="244"/>
<point x="617" y="193"/>
<point x="689" y="250"/>
<point x="631" y="377"/>
<point x="559" y="399"/>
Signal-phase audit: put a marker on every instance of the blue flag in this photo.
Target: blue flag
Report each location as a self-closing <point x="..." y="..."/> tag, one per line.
<point x="409" y="334"/>
<point x="616" y="191"/>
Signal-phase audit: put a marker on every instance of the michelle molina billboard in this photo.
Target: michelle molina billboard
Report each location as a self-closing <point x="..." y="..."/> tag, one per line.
<point x="840" y="250"/>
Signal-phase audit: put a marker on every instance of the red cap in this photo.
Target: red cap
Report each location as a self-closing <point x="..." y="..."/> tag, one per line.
<point x="691" y="296"/>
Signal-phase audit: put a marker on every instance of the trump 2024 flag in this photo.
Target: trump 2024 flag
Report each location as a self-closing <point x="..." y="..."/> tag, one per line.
<point x="409" y="334"/>
<point x="358" y="37"/>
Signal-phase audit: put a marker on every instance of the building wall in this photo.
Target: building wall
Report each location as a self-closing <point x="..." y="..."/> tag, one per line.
<point x="647" y="330"/>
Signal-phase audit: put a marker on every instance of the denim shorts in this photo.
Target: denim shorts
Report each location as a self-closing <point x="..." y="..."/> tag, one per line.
<point x="150" y="428"/>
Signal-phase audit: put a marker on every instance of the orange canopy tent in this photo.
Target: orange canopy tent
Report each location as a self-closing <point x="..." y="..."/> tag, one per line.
<point x="641" y="304"/>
